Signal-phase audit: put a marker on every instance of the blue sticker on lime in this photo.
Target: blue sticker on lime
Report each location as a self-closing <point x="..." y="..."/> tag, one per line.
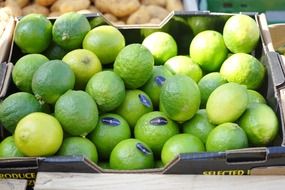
<point x="110" y="121"/>
<point x="158" y="121"/>
<point x="143" y="149"/>
<point x="159" y="80"/>
<point x="144" y="100"/>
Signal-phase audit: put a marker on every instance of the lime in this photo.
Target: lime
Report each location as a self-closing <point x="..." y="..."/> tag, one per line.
<point x="199" y="125"/>
<point x="84" y="64"/>
<point x="158" y="164"/>
<point x="70" y="29"/>
<point x="78" y="146"/>
<point x="15" y="107"/>
<point x="110" y="130"/>
<point x="106" y="42"/>
<point x="8" y="148"/>
<point x="208" y="84"/>
<point x="107" y="89"/>
<point x="104" y="165"/>
<point x="260" y="124"/>
<point x="33" y="33"/>
<point x="155" y="128"/>
<point x="161" y="45"/>
<point x="24" y="70"/>
<point x="241" y="34"/>
<point x="255" y="97"/>
<point x="51" y="80"/>
<point x="153" y="86"/>
<point x="208" y="43"/>
<point x="201" y="23"/>
<point x="222" y="105"/>
<point x="180" y="143"/>
<point x="131" y="154"/>
<point x="38" y="134"/>
<point x="179" y="98"/>
<point x="184" y="65"/>
<point x="244" y="69"/>
<point x="77" y="112"/>
<point x="54" y="51"/>
<point x="136" y="104"/>
<point x="134" y="64"/>
<point x="227" y="136"/>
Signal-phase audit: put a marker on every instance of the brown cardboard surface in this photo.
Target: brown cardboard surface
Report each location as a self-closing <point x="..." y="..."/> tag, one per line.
<point x="277" y="32"/>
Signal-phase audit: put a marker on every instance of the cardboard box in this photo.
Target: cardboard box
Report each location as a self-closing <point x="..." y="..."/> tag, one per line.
<point x="234" y="162"/>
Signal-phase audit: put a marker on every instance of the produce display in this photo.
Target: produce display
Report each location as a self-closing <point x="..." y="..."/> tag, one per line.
<point x="116" y="11"/>
<point x="131" y="103"/>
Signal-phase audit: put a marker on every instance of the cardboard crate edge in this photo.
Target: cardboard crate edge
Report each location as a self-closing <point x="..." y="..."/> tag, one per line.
<point x="43" y="162"/>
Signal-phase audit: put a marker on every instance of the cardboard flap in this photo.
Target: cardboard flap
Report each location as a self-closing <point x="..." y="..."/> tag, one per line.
<point x="67" y="164"/>
<point x="18" y="162"/>
<point x="234" y="162"/>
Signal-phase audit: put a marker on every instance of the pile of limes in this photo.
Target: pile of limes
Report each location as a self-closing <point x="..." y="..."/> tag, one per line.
<point x="132" y="106"/>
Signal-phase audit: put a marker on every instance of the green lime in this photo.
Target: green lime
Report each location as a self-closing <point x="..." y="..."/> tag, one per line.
<point x="136" y="104"/>
<point x="180" y="143"/>
<point x="161" y="45"/>
<point x="155" y="128"/>
<point x="106" y="42"/>
<point x="208" y="43"/>
<point x="158" y="164"/>
<point x="260" y="123"/>
<point x="153" y="86"/>
<point x="241" y="34"/>
<point x="134" y="64"/>
<point x="244" y="69"/>
<point x="51" y="80"/>
<point x="38" y="134"/>
<point x="179" y="98"/>
<point x="227" y="103"/>
<point x="104" y="165"/>
<point x="208" y="84"/>
<point x="110" y="130"/>
<point x="107" y="89"/>
<point x="255" y="97"/>
<point x="131" y="154"/>
<point x="8" y="148"/>
<point x="78" y="146"/>
<point x="77" y="112"/>
<point x="227" y="136"/>
<point x="33" y="33"/>
<point x="24" y="70"/>
<point x="185" y="66"/>
<point x="199" y="125"/>
<point x="70" y="29"/>
<point x="15" y="107"/>
<point x="54" y="51"/>
<point x="84" y="64"/>
<point x="201" y="23"/>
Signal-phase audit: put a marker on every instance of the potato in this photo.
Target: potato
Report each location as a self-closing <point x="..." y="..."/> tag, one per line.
<point x="35" y="8"/>
<point x="54" y="14"/>
<point x="110" y="17"/>
<point x="157" y="11"/>
<point x="45" y="2"/>
<point x="22" y="3"/>
<point x="119" y="8"/>
<point x="174" y="5"/>
<point x="154" y="2"/>
<point x="93" y="9"/>
<point x="64" y="6"/>
<point x="12" y="8"/>
<point x="141" y="16"/>
<point x="155" y="21"/>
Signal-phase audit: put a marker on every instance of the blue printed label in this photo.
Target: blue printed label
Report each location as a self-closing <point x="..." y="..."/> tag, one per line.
<point x="143" y="149"/>
<point x="110" y="121"/>
<point x="159" y="80"/>
<point x="144" y="100"/>
<point x="158" y="121"/>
